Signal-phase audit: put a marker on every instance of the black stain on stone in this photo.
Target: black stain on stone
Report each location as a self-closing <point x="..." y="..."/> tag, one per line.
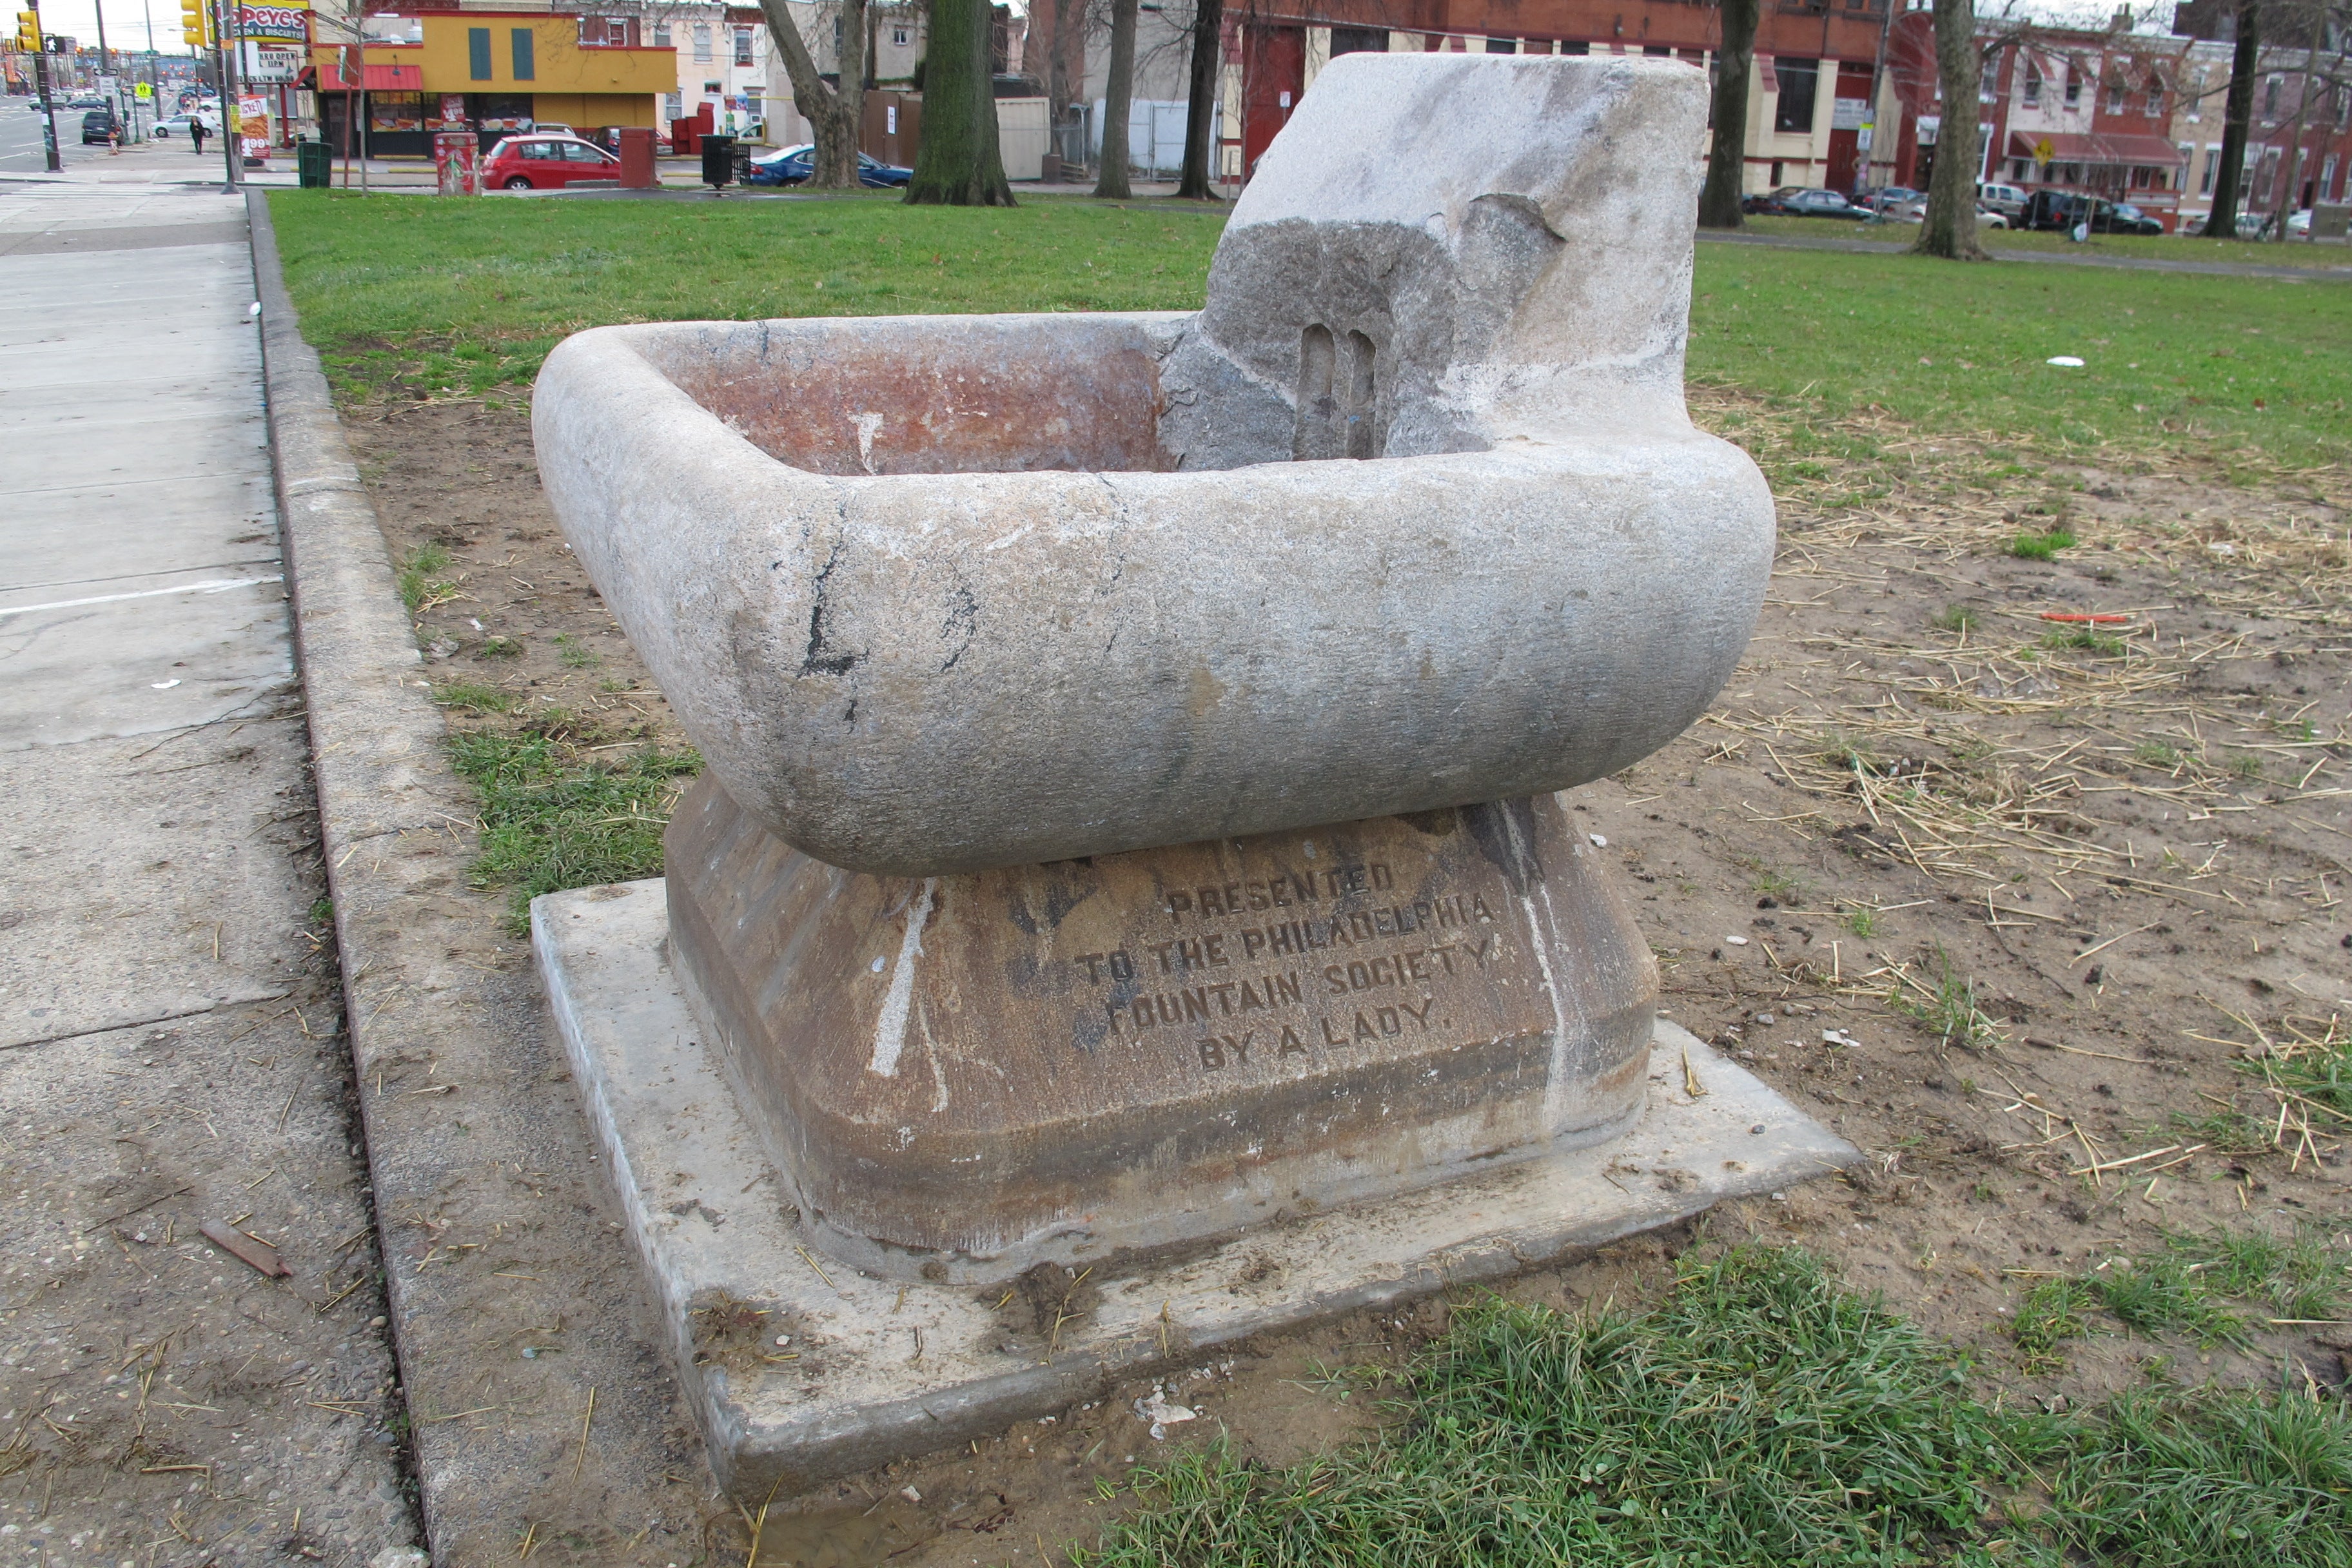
<point x="825" y="655"/>
<point x="1505" y="831"/>
<point x="963" y="612"/>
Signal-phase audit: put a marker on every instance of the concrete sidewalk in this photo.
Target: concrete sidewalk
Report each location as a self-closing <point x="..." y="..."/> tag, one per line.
<point x="170" y="1058"/>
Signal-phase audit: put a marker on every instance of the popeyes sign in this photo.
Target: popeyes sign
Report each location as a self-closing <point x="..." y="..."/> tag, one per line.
<point x="288" y="23"/>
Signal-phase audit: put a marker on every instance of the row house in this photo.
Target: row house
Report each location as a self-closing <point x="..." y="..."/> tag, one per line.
<point x="730" y="78"/>
<point x="2067" y="109"/>
<point x="2298" y="138"/>
<point x="1814" y="92"/>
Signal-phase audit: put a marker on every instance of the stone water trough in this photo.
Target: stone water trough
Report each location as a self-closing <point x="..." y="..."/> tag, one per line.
<point x="1130" y="835"/>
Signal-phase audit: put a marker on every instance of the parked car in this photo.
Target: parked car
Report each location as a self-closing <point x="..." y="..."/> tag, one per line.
<point x="2006" y="200"/>
<point x="1887" y="199"/>
<point x="793" y="165"/>
<point x="99" y="127"/>
<point x="177" y="125"/>
<point x="1916" y="212"/>
<point x="538" y="161"/>
<point x="2250" y="225"/>
<point x="2061" y="211"/>
<point x="1801" y="201"/>
<point x="2299" y="225"/>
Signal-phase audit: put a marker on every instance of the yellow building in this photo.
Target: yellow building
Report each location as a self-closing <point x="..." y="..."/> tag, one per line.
<point x="491" y="72"/>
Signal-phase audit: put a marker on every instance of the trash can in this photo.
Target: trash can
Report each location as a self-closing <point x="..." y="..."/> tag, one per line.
<point x="718" y="161"/>
<point x="314" y="165"/>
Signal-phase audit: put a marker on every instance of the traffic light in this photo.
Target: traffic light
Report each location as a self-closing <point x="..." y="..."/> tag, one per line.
<point x="28" y="32"/>
<point x="197" y="23"/>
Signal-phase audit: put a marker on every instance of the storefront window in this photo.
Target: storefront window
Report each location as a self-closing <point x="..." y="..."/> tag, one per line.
<point x="396" y="111"/>
<point x="501" y="112"/>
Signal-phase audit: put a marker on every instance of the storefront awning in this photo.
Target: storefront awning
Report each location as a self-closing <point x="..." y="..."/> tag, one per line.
<point x="380" y="78"/>
<point x="2139" y="152"/>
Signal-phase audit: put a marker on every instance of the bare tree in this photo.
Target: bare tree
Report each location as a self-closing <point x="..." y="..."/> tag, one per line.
<point x="1950" y="229"/>
<point x="2221" y="221"/>
<point x="1727" y="156"/>
<point x="1119" y="95"/>
<point x="958" y="162"/>
<point x="1200" y="107"/>
<point x="834" y="112"/>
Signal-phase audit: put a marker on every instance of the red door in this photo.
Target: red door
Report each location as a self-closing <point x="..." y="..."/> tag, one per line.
<point x="1845" y="146"/>
<point x="1273" y="75"/>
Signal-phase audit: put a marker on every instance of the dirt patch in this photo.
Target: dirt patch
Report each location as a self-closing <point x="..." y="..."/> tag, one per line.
<point x="513" y="613"/>
<point x="2019" y="905"/>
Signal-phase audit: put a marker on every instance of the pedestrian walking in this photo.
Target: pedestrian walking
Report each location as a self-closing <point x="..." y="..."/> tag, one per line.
<point x="196" y="132"/>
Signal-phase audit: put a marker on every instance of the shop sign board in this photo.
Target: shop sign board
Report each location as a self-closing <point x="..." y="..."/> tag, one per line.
<point x="284" y="21"/>
<point x="274" y="64"/>
<point x="1848" y="113"/>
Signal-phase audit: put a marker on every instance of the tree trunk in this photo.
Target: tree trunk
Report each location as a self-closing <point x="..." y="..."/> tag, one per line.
<point x="1727" y="156"/>
<point x="1200" y="105"/>
<point x="2291" y="196"/>
<point x="1118" y="96"/>
<point x="1069" y="28"/>
<point x="959" y="164"/>
<point x="1950" y="231"/>
<point x="832" y="112"/>
<point x="2221" y="223"/>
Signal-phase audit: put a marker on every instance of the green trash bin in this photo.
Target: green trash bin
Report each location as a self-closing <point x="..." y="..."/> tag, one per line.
<point x="314" y="165"/>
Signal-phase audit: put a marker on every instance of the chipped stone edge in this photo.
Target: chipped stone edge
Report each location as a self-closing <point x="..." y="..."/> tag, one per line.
<point x="677" y="1148"/>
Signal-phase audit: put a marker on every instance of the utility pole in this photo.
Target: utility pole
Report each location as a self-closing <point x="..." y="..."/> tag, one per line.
<point x="30" y="37"/>
<point x="232" y="119"/>
<point x="154" y="90"/>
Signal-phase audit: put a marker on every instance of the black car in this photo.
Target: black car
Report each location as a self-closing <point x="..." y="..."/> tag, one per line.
<point x="1802" y="201"/>
<point x="99" y="127"/>
<point x="2061" y="211"/>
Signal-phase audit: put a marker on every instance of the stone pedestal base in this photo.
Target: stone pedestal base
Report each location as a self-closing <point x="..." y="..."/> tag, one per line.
<point x="879" y="1369"/>
<point x="959" y="1078"/>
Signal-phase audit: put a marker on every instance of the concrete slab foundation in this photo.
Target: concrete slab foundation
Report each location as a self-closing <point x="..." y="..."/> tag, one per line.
<point x="798" y="1368"/>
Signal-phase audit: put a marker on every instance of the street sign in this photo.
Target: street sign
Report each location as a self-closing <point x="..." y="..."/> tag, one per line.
<point x="2043" y="151"/>
<point x="142" y="92"/>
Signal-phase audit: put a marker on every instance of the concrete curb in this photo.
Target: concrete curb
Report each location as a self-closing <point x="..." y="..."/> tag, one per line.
<point x="452" y="1057"/>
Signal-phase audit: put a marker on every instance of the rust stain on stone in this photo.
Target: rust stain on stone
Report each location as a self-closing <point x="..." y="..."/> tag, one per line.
<point x="961" y="1077"/>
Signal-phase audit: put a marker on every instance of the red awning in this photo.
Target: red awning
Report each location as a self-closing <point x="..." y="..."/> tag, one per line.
<point x="380" y="78"/>
<point x="2138" y="152"/>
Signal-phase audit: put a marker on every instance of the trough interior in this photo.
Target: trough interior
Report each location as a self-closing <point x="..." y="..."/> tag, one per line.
<point x="937" y="396"/>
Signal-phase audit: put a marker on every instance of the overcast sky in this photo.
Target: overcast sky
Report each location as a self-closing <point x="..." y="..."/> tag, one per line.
<point x="126" y="20"/>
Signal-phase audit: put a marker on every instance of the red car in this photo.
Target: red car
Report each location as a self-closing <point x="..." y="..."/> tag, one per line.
<point x="546" y="163"/>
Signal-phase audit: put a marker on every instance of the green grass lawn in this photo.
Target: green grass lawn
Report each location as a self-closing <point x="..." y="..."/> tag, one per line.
<point x="469" y="294"/>
<point x="2161" y="248"/>
<point x="2252" y="367"/>
<point x="1761" y="1414"/>
<point x="458" y="296"/>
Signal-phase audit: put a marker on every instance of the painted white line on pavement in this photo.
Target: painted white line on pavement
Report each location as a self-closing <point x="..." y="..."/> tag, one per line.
<point x="218" y="585"/>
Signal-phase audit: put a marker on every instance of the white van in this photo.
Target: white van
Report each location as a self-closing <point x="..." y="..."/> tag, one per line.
<point x="2006" y="200"/>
